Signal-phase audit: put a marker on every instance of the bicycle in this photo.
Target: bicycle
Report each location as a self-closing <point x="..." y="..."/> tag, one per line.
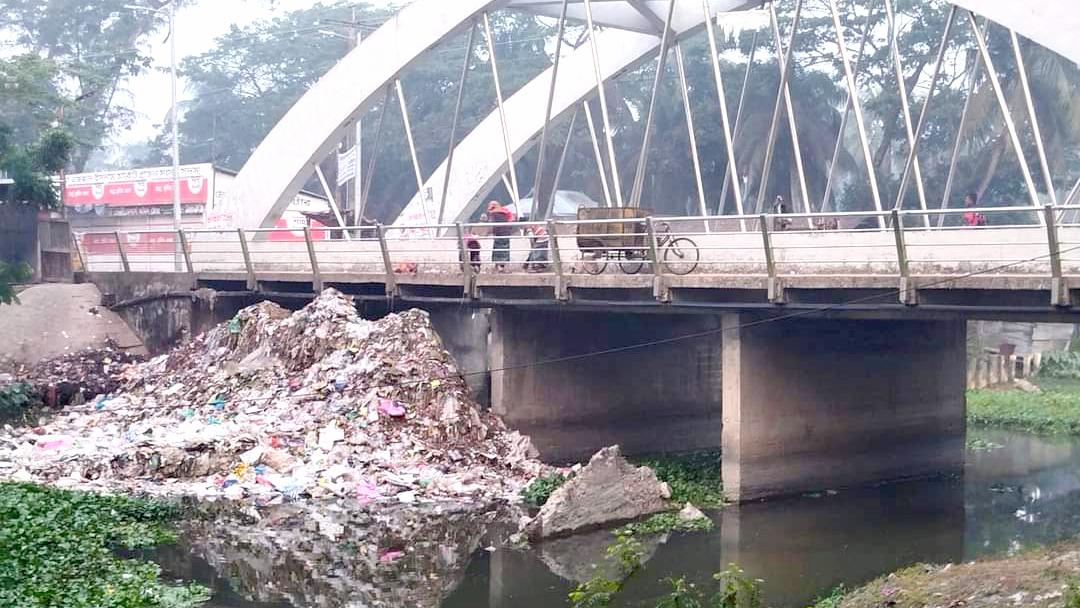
<point x="680" y="255"/>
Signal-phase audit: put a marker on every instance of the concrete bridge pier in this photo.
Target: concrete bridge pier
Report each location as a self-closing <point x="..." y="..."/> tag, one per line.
<point x="812" y="404"/>
<point x="663" y="398"/>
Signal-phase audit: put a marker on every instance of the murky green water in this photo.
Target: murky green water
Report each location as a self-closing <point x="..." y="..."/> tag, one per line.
<point x="1025" y="492"/>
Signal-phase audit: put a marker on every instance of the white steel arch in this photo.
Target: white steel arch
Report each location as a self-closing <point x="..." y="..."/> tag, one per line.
<point x="315" y="124"/>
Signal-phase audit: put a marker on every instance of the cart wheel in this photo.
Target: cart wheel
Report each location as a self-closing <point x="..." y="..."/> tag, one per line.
<point x="681" y="256"/>
<point x="631" y="262"/>
<point x="594" y="262"/>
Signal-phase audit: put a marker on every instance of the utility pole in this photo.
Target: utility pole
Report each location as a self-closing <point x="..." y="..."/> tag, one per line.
<point x="347" y="192"/>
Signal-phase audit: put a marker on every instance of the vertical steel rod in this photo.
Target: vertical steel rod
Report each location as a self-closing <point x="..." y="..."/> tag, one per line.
<point x="599" y="156"/>
<point x="856" y="107"/>
<point x="547" y="115"/>
<point x="926" y="105"/>
<point x="1014" y="136"/>
<point x="730" y="170"/>
<point x="1039" y="147"/>
<point x="550" y="208"/>
<point x="847" y="114"/>
<point x="785" y="70"/>
<point x="959" y="135"/>
<point x="1059" y="292"/>
<point x="594" y="45"/>
<point x="457" y="121"/>
<point x="333" y="203"/>
<point x="905" y="109"/>
<point x="796" y="148"/>
<point x="661" y="67"/>
<point x="556" y="259"/>
<point x="680" y="64"/>
<point x="412" y="148"/>
<point x="78" y="251"/>
<point x="515" y="193"/>
<point x="729" y="143"/>
<point x="370" y="176"/>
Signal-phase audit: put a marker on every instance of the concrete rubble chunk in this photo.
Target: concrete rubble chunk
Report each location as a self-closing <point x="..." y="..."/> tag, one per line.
<point x="607" y="491"/>
<point x="691" y="513"/>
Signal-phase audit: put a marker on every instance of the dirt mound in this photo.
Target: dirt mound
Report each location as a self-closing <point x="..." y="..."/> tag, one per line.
<point x="272" y="405"/>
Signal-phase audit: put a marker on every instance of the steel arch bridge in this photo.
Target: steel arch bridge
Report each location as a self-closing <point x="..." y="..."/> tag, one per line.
<point x="622" y="35"/>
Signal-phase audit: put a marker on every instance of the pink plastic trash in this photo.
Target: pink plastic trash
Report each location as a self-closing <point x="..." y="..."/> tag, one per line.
<point x="48" y="444"/>
<point x="390" y="554"/>
<point x="391" y="408"/>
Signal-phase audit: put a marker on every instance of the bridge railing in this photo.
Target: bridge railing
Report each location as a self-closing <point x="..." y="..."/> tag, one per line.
<point x="905" y="245"/>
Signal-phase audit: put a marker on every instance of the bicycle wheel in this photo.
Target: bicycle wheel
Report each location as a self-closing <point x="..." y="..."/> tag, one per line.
<point x="594" y="262"/>
<point x="631" y="262"/>
<point x="681" y="256"/>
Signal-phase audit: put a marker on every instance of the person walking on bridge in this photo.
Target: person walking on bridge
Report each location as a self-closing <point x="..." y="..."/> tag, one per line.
<point x="500" y="249"/>
<point x="972" y="217"/>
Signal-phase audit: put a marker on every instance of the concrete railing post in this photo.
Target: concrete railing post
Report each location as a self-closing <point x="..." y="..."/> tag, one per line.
<point x="123" y="254"/>
<point x="1059" y="291"/>
<point x="776" y="291"/>
<point x="252" y="283"/>
<point x="316" y="276"/>
<point x="185" y="250"/>
<point x="388" y="266"/>
<point x="561" y="292"/>
<point x="468" y="281"/>
<point x="660" y="291"/>
<point x="78" y="251"/>
<point x="908" y="294"/>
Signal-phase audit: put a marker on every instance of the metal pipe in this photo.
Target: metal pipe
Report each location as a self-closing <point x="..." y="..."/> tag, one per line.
<point x="1039" y="147"/>
<point x="694" y="156"/>
<point x="457" y="121"/>
<point x="515" y="193"/>
<point x="1014" y="137"/>
<point x="547" y="114"/>
<point x="796" y="148"/>
<point x="959" y="135"/>
<point x="729" y="144"/>
<point x="559" y="171"/>
<point x="333" y="203"/>
<point x="603" y="103"/>
<point x="905" y="108"/>
<point x="599" y="156"/>
<point x="412" y="148"/>
<point x="785" y="70"/>
<point x="847" y="113"/>
<point x="661" y="66"/>
<point x="856" y="106"/>
<point x="370" y="176"/>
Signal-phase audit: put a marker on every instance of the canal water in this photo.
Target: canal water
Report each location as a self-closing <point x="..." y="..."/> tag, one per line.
<point x="1017" y="490"/>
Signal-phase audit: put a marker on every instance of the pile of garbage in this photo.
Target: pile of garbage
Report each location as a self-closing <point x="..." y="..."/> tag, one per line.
<point x="73" y="378"/>
<point x="273" y="406"/>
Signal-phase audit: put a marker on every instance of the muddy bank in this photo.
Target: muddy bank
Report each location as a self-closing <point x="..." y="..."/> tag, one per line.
<point x="1045" y="577"/>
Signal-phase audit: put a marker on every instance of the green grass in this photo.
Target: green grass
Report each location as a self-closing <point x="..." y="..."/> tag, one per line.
<point x="539" y="490"/>
<point x="664" y="522"/>
<point x="693" y="477"/>
<point x="1055" y="411"/>
<point x="58" y="550"/>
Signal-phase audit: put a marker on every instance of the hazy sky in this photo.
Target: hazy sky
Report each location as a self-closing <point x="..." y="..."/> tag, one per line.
<point x="197" y="26"/>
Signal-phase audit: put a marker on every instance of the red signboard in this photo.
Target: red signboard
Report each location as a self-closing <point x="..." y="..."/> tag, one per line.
<point x="148" y="192"/>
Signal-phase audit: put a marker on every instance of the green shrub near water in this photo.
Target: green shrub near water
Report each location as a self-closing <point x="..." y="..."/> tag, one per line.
<point x="664" y="522"/>
<point x="57" y="550"/>
<point x="17" y="400"/>
<point x="693" y="477"/>
<point x="539" y="490"/>
<point x="1053" y="411"/>
<point x="1060" y="365"/>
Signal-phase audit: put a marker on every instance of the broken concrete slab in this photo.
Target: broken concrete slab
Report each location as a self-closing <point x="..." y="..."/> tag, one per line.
<point x="607" y="491"/>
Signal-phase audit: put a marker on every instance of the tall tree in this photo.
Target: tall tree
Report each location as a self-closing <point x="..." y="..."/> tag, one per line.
<point x="89" y="49"/>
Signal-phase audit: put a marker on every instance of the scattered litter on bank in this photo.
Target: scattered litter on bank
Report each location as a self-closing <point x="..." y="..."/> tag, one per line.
<point x="273" y="406"/>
